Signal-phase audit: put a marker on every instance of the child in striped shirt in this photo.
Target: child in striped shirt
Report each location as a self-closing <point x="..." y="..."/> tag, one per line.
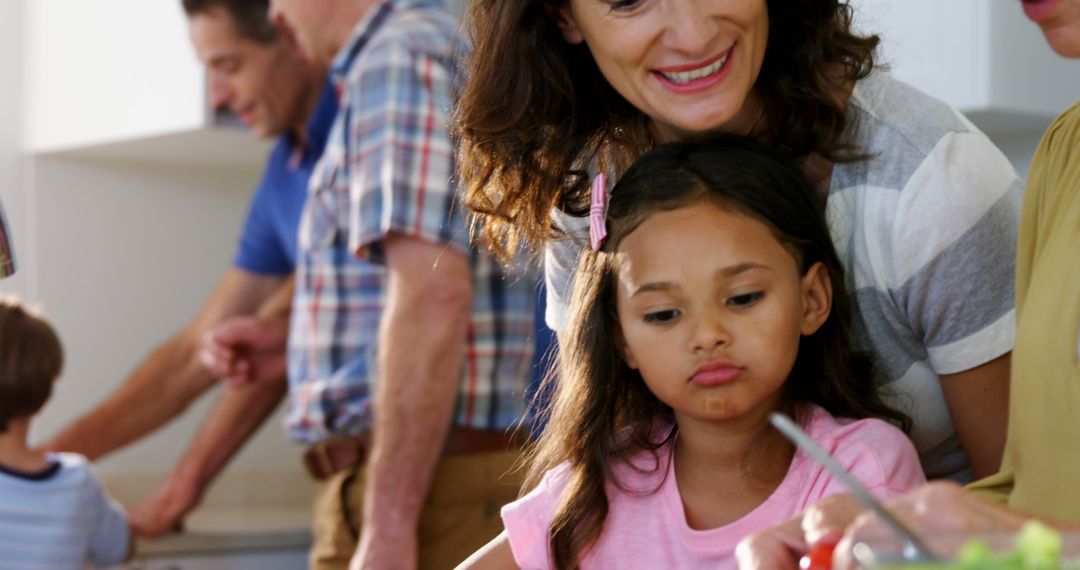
<point x="54" y="513"/>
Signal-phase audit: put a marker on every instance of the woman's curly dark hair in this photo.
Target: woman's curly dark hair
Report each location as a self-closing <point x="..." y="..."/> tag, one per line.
<point x="535" y="110"/>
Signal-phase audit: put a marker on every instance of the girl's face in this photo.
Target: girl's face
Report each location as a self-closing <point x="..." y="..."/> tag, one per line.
<point x="711" y="308"/>
<point x="690" y="65"/>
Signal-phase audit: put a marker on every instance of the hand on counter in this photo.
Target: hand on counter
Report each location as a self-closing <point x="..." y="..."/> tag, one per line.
<point x="246" y="349"/>
<point x="164" y="511"/>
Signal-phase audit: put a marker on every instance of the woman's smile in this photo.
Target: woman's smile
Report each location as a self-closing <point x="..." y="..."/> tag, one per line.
<point x="694" y="76"/>
<point x="691" y="67"/>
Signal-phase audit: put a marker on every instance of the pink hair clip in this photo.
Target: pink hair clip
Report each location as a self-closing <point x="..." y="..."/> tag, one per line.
<point x="598" y="212"/>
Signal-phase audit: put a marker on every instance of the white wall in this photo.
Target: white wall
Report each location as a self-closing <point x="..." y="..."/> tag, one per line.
<point x="127" y="253"/>
<point x="912" y="33"/>
<point x="126" y="256"/>
<point x="984" y="57"/>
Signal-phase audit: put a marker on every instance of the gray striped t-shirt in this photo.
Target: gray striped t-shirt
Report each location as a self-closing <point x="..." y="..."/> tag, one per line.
<point x="926" y="229"/>
<point x="61" y="519"/>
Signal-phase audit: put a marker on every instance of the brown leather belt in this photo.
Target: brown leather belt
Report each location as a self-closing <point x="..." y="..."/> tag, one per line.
<point x="329" y="457"/>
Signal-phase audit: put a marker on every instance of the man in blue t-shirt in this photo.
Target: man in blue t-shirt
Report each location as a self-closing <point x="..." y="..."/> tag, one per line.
<point x="256" y="71"/>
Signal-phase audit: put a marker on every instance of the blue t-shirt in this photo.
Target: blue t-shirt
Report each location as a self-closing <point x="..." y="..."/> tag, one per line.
<point x="268" y="243"/>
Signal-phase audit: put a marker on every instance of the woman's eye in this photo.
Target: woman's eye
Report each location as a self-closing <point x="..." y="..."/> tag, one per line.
<point x="661" y="316"/>
<point x="745" y="300"/>
<point x="624" y="5"/>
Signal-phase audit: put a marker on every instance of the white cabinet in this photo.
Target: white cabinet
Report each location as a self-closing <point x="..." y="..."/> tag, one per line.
<point x="106" y="71"/>
<point x="983" y="56"/>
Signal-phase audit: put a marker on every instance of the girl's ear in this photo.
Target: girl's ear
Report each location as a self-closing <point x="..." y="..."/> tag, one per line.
<point x="565" y="20"/>
<point x="817" y="298"/>
<point x="623" y="349"/>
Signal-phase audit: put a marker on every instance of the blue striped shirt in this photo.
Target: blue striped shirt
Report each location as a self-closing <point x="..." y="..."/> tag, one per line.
<point x="388" y="167"/>
<point x="60" y="519"/>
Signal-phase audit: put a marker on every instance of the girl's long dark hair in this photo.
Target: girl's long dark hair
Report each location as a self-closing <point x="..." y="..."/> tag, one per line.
<point x="601" y="412"/>
<point x="535" y="110"/>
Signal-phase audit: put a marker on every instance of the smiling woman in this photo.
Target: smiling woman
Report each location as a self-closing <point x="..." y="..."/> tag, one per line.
<point x="923" y="207"/>
<point x="554" y="84"/>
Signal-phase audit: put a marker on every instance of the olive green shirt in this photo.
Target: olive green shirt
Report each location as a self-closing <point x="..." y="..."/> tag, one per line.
<point x="1041" y="468"/>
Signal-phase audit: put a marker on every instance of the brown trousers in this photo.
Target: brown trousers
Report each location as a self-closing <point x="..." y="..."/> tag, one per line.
<point x="460" y="515"/>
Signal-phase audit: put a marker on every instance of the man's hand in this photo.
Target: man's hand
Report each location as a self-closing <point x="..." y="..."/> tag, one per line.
<point x="246" y="349"/>
<point x="165" y="510"/>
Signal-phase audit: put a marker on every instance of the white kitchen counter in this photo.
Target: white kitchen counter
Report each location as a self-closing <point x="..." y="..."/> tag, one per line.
<point x="249" y="520"/>
<point x="219" y="532"/>
<point x="252" y="539"/>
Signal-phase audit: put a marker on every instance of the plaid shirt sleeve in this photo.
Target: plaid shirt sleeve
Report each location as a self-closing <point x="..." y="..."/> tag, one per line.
<point x="399" y="147"/>
<point x="7" y="254"/>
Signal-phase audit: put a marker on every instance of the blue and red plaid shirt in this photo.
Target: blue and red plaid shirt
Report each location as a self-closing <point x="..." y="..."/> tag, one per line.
<point x="7" y="253"/>
<point x="388" y="167"/>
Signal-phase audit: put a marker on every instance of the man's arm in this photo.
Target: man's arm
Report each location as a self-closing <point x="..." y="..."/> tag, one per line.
<point x="421" y="345"/>
<point x="169" y="379"/>
<point x="250" y="352"/>
<point x="236" y="416"/>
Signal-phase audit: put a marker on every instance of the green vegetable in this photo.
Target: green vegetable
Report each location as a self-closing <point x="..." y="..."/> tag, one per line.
<point x="1038" y="547"/>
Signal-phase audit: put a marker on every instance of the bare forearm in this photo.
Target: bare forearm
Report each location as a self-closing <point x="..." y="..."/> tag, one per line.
<point x="418" y="377"/>
<point x="236" y="416"/>
<point x="279" y="304"/>
<point x="421" y="345"/>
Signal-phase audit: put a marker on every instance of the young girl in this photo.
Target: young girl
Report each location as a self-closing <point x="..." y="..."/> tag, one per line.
<point x="713" y="297"/>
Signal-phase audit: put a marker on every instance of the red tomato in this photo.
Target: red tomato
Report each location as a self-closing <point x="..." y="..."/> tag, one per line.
<point x="819" y="558"/>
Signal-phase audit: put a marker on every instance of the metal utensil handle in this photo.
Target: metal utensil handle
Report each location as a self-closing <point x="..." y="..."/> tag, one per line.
<point x="793" y="432"/>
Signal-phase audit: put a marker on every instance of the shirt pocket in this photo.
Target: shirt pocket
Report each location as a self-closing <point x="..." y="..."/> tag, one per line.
<point x="321" y="221"/>
<point x="319" y="227"/>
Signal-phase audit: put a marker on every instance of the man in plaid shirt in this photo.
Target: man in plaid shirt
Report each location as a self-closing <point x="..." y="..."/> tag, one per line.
<point x="409" y="349"/>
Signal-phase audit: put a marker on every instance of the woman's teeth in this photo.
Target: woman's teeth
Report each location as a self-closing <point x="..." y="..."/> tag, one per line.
<point x="688" y="76"/>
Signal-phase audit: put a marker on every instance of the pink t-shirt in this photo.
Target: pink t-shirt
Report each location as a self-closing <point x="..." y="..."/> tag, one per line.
<point x="649" y="530"/>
